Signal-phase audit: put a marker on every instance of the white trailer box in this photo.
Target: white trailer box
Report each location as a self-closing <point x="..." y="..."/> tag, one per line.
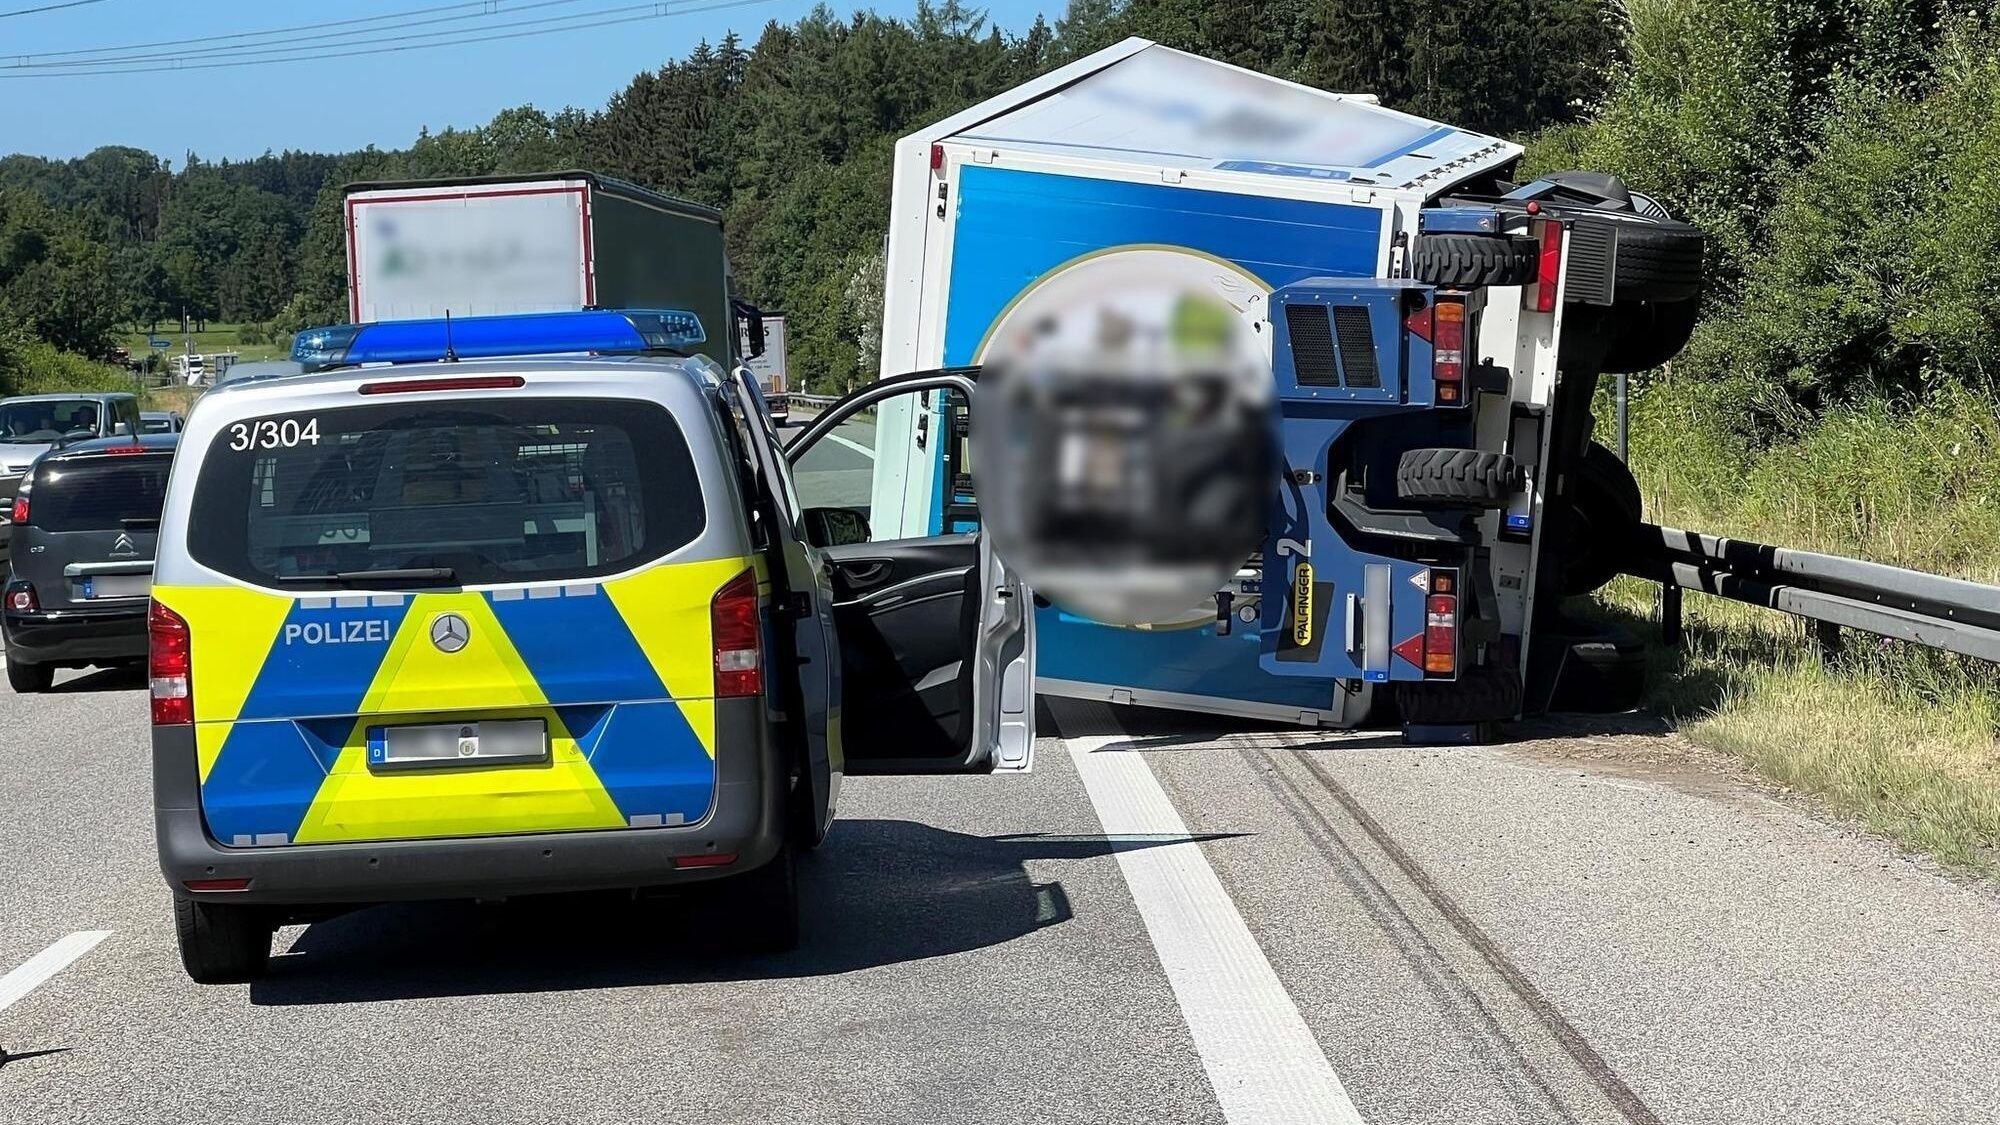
<point x="568" y="240"/>
<point x="1140" y="161"/>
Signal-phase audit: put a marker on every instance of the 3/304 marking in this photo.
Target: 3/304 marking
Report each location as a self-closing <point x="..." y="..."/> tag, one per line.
<point x="270" y="433"/>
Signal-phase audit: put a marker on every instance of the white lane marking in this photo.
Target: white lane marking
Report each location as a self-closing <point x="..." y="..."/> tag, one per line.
<point x="36" y="970"/>
<point x="854" y="445"/>
<point x="1262" y="1060"/>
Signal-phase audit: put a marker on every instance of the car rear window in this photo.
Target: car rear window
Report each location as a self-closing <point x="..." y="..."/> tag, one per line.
<point x="99" y="493"/>
<point x="524" y="490"/>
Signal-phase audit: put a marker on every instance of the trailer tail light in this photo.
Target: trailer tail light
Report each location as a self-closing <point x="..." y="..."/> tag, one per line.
<point x="1441" y="624"/>
<point x="737" y="627"/>
<point x="1551" y="266"/>
<point x="170" y="666"/>
<point x="1448" y="349"/>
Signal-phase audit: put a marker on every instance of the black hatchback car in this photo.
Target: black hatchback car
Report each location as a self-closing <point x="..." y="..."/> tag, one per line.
<point x="85" y="521"/>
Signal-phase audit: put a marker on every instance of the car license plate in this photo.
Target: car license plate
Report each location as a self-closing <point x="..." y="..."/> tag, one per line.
<point x="492" y="742"/>
<point x="117" y="586"/>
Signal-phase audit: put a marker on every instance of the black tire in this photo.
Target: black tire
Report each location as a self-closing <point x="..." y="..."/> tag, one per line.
<point x="1467" y="261"/>
<point x="1479" y="695"/>
<point x="764" y="904"/>
<point x="1658" y="259"/>
<point x="1472" y="477"/>
<point x="1605" y="509"/>
<point x="222" y="943"/>
<point x="1646" y="334"/>
<point x="30" y="679"/>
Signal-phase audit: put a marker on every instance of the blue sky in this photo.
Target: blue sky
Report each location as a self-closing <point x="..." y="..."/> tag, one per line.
<point x="340" y="104"/>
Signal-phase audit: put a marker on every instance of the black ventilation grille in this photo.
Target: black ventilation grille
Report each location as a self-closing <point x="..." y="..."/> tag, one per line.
<point x="1312" y="345"/>
<point x="1357" y="347"/>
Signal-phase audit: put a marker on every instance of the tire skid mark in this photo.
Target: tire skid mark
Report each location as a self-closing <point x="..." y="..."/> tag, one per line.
<point x="1607" y="1080"/>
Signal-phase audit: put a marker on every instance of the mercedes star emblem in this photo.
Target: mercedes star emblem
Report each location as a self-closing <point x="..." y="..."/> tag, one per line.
<point x="449" y="632"/>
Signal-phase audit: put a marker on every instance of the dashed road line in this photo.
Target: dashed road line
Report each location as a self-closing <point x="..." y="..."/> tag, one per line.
<point x="1263" y="1063"/>
<point x="35" y="971"/>
<point x="851" y="444"/>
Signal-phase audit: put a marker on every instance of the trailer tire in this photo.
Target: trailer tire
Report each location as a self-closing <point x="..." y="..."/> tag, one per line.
<point x="1467" y="261"/>
<point x="1603" y="527"/>
<point x="1479" y="695"/>
<point x="1644" y="335"/>
<point x="1469" y="477"/>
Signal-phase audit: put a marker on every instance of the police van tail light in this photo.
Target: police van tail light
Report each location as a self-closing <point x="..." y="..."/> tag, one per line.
<point x="1441" y="625"/>
<point x="21" y="597"/>
<point x="737" y="627"/>
<point x="170" y="666"/>
<point x="20" y="513"/>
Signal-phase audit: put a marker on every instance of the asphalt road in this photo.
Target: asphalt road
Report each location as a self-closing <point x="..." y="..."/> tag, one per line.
<point x="1161" y="924"/>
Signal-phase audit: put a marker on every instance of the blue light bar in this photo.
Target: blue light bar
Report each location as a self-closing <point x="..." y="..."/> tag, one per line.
<point x="594" y="331"/>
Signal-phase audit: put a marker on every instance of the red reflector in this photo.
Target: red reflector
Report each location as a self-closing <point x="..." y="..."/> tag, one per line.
<point x="20" y="512"/>
<point x="737" y="626"/>
<point x="465" y="383"/>
<point x="722" y="859"/>
<point x="1419" y="324"/>
<point x="1412" y="650"/>
<point x="216" y="884"/>
<point x="1440" y="635"/>
<point x="1551" y="267"/>
<point x="170" y="668"/>
<point x="937" y="157"/>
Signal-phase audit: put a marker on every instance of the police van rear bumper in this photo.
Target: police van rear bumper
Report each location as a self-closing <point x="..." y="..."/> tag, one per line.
<point x="747" y="821"/>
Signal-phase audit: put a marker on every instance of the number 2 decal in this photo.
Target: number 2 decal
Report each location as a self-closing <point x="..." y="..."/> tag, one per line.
<point x="271" y="433"/>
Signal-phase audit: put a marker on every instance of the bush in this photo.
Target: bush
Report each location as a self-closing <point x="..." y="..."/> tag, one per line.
<point x="29" y="366"/>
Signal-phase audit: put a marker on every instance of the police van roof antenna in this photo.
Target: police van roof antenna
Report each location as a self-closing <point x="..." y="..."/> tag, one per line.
<point x="450" y="353"/>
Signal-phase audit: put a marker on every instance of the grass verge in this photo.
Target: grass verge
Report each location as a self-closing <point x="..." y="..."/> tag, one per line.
<point x="1903" y="739"/>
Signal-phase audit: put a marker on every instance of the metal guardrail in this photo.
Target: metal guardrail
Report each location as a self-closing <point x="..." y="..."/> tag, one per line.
<point x="1835" y="592"/>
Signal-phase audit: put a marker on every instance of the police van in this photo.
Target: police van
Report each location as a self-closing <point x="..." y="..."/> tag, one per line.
<point x="431" y="620"/>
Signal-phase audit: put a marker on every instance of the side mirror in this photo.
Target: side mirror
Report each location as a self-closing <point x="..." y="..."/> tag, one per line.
<point x="836" y="527"/>
<point x="750" y="328"/>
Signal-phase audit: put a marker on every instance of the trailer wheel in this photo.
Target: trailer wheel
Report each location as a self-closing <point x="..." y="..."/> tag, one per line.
<point x="1467" y="261"/>
<point x="1644" y="335"/>
<point x="1472" y="477"/>
<point x="1479" y="695"/>
<point x="1605" y="510"/>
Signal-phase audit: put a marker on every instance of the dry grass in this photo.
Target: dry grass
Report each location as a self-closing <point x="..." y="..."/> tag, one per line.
<point x="1903" y="739"/>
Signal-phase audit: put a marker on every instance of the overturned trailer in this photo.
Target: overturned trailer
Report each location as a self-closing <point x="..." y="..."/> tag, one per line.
<point x="1436" y="329"/>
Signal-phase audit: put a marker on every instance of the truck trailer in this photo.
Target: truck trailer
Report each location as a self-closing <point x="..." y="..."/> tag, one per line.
<point x="491" y="245"/>
<point x="1435" y="329"/>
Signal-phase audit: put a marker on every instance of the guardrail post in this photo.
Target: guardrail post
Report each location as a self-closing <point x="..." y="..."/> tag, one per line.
<point x="1670" y="615"/>
<point x="1826" y="638"/>
<point x="1624" y="418"/>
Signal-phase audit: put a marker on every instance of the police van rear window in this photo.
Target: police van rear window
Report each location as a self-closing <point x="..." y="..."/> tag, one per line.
<point x="99" y="493"/>
<point x="482" y="492"/>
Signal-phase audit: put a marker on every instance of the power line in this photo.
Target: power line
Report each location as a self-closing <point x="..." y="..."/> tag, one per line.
<point x="318" y="55"/>
<point x="485" y="6"/>
<point x="47" y="8"/>
<point x="292" y="44"/>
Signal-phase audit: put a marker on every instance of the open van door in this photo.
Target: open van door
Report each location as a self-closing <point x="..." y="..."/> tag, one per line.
<point x="935" y="632"/>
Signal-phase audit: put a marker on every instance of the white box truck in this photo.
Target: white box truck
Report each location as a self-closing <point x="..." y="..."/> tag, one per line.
<point x="480" y="246"/>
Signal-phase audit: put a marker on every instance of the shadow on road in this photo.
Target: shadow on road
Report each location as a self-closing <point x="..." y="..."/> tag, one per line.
<point x="878" y="892"/>
<point x="128" y="677"/>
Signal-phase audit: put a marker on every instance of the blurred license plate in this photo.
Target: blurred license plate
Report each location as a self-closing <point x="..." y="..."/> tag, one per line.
<point x="117" y="586"/>
<point x="493" y="742"/>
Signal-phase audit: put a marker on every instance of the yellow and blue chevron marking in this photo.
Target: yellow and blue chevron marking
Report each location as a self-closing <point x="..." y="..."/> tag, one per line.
<point x="289" y="690"/>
